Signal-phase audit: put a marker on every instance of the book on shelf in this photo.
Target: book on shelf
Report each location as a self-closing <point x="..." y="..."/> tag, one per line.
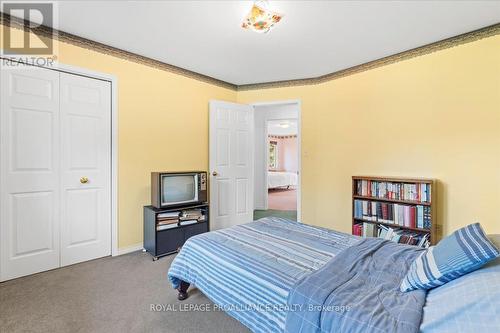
<point x="165" y="222"/>
<point x="188" y="222"/>
<point x="427" y="218"/>
<point x="411" y="216"/>
<point x="420" y="192"/>
<point x="396" y="235"/>
<point x="166" y="226"/>
<point x="199" y="219"/>
<point x="357" y="229"/>
<point x="168" y="215"/>
<point x="192" y="214"/>
<point x="369" y="230"/>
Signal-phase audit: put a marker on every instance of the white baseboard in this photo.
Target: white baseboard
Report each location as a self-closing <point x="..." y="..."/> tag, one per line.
<point x="129" y="249"/>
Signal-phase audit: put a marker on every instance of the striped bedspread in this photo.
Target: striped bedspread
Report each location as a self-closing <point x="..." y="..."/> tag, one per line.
<point x="249" y="270"/>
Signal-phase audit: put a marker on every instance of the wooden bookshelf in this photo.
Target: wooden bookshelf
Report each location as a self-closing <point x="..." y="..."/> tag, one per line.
<point x="400" y="194"/>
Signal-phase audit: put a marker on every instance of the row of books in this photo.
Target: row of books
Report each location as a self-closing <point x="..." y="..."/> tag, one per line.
<point x="393" y="234"/>
<point x="174" y="219"/>
<point x="404" y="215"/>
<point x="393" y="190"/>
<point x="167" y="220"/>
<point x="404" y="236"/>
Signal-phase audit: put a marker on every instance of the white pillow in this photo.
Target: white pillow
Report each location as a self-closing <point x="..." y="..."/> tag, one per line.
<point x="467" y="304"/>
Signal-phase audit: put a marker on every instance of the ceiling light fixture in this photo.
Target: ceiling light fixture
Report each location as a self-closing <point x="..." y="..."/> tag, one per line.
<point x="261" y="18"/>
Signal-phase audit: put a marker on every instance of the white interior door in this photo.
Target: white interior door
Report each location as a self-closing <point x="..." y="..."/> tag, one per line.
<point x="86" y="168"/>
<point x="231" y="164"/>
<point x="29" y="171"/>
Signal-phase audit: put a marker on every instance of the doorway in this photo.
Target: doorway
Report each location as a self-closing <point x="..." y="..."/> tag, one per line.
<point x="277" y="160"/>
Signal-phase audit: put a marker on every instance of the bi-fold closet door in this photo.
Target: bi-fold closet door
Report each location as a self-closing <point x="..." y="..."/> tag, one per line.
<point x="55" y="170"/>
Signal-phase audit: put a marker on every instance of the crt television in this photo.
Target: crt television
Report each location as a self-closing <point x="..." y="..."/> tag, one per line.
<point x="173" y="189"/>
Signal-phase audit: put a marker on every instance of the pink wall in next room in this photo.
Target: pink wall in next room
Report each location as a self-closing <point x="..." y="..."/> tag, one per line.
<point x="287" y="154"/>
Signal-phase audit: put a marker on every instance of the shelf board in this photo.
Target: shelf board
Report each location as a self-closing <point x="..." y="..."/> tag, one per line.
<point x="427" y="231"/>
<point x="178" y="208"/>
<point x="408" y="202"/>
<point x="395" y="179"/>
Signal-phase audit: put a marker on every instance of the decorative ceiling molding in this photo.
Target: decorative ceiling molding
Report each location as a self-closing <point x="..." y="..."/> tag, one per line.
<point x="65" y="37"/>
<point x="468" y="37"/>
<point x="14" y="22"/>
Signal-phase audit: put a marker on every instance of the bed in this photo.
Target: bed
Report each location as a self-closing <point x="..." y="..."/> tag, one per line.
<point x="253" y="271"/>
<point x="277" y="179"/>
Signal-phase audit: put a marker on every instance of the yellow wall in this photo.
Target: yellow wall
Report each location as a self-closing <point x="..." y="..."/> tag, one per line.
<point x="162" y="125"/>
<point x="435" y="116"/>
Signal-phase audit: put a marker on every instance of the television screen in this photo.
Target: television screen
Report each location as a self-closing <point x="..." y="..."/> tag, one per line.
<point x="179" y="189"/>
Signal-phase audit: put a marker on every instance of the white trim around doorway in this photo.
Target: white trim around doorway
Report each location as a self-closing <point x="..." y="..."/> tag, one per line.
<point x="298" y="103"/>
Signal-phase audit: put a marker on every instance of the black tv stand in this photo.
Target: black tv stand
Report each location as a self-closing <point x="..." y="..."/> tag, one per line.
<point x="160" y="243"/>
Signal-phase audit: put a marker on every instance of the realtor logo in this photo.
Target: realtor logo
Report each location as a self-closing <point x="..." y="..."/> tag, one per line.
<point x="30" y="40"/>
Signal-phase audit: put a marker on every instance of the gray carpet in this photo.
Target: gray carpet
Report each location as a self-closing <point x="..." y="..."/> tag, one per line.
<point x="105" y="295"/>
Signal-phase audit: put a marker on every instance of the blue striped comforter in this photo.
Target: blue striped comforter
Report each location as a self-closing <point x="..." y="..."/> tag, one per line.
<point x="358" y="291"/>
<point x="249" y="270"/>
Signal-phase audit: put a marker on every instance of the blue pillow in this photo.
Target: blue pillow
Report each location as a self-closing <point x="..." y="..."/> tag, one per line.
<point x="462" y="252"/>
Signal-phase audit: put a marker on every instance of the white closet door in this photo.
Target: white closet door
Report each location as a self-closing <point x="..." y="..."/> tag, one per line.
<point x="29" y="171"/>
<point x="86" y="168"/>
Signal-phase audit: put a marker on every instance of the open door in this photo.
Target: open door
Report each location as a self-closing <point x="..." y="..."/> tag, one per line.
<point x="231" y="164"/>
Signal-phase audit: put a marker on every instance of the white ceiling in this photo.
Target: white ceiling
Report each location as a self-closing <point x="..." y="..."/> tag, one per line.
<point x="282" y="127"/>
<point x="314" y="37"/>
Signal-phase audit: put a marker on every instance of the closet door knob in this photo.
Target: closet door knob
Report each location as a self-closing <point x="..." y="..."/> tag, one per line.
<point x="84" y="180"/>
<point x="215" y="173"/>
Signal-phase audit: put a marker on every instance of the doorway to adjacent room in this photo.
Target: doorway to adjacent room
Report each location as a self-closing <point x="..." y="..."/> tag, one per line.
<point x="277" y="160"/>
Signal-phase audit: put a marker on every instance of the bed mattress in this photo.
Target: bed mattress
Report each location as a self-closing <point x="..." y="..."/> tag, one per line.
<point x="281" y="179"/>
